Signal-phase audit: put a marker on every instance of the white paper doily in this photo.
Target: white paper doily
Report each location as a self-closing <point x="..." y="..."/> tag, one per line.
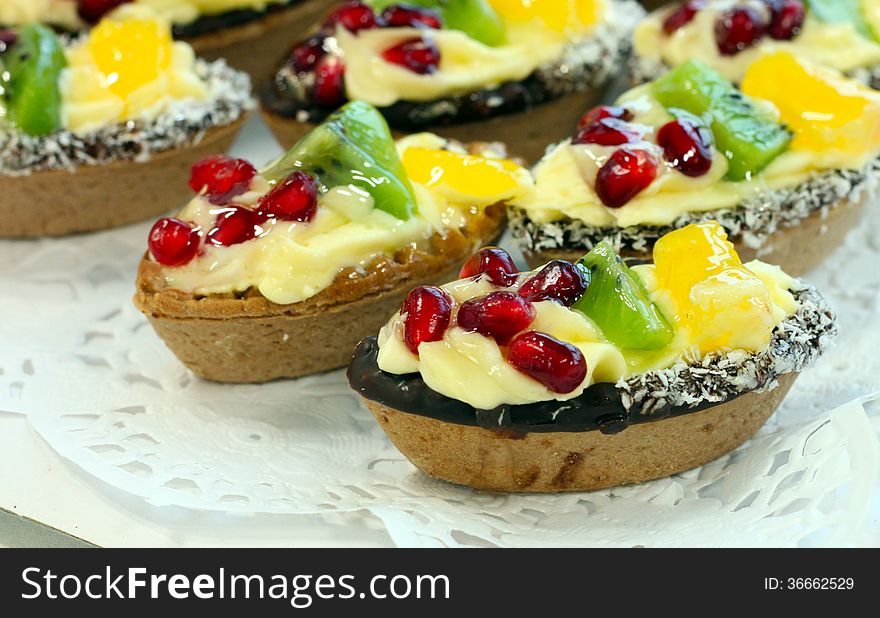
<point x="100" y="387"/>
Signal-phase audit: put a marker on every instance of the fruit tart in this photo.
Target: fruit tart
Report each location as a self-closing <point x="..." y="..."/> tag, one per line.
<point x="93" y="133"/>
<point x="280" y="273"/>
<point x="250" y="34"/>
<point x="729" y="35"/>
<point x="785" y="164"/>
<point x="514" y="69"/>
<point x="589" y="374"/>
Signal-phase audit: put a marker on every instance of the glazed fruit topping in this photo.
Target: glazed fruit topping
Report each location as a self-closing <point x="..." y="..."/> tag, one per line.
<point x="557" y="365"/>
<point x="619" y="304"/>
<point x="417" y="55"/>
<point x="370" y="162"/>
<point x="330" y="82"/>
<point x="559" y="281"/>
<point x="738" y="29"/>
<point x="627" y="173"/>
<point x="427" y="312"/>
<point x="294" y="199"/>
<point x="91" y="11"/>
<point x="306" y="55"/>
<point x="495" y="262"/>
<point x="682" y="16"/>
<point x="604" y="111"/>
<point x="687" y="143"/>
<point x="607" y="132"/>
<point x="499" y="315"/>
<point x="222" y="178"/>
<point x="173" y="242"/>
<point x="747" y="136"/>
<point x="353" y="16"/>
<point x="787" y="19"/>
<point x="408" y="16"/>
<point x="234" y="225"/>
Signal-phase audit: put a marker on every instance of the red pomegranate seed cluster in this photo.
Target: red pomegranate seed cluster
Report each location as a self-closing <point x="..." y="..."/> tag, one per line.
<point x="741" y="27"/>
<point x="417" y="55"/>
<point x="313" y="56"/>
<point x="629" y="170"/>
<point x="91" y="11"/>
<point x="174" y="242"/>
<point x="221" y="178"/>
<point x="495" y="263"/>
<point x="505" y="316"/>
<point x="427" y="311"/>
<point x="560" y="281"/>
<point x="681" y="16"/>
<point x="687" y="144"/>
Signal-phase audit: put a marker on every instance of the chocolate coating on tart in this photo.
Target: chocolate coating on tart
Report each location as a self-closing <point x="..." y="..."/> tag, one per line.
<point x="753" y="220"/>
<point x="610" y="408"/>
<point x="585" y="65"/>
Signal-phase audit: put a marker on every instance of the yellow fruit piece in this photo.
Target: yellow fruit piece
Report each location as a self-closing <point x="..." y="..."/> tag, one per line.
<point x="559" y="15"/>
<point x="824" y="109"/>
<point x="130" y="53"/>
<point x="722" y="304"/>
<point x="468" y="175"/>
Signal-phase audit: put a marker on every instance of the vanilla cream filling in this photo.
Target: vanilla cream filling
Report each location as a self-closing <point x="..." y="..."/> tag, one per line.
<point x="837" y="45"/>
<point x="471" y="368"/>
<point x="55" y="12"/>
<point x="466" y="65"/>
<point x="565" y="178"/>
<point x="63" y="12"/>
<point x="88" y="104"/>
<point x="292" y="261"/>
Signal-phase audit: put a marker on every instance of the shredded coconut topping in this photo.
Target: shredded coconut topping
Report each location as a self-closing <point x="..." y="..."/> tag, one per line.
<point x="796" y="344"/>
<point x="753" y="220"/>
<point x="183" y="124"/>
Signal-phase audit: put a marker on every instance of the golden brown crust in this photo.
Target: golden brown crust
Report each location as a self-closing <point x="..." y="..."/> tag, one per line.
<point x="526" y="133"/>
<point x="257" y="47"/>
<point x="58" y="202"/>
<point x="577" y="461"/>
<point x="250" y="339"/>
<point x="797" y="250"/>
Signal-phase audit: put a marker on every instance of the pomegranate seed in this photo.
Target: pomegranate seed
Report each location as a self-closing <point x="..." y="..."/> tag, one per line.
<point x="234" y="225"/>
<point x="222" y="178"/>
<point x="305" y="56"/>
<point x="607" y="132"/>
<point x="738" y="29"/>
<point x="91" y="11"/>
<point x="173" y="242"/>
<point x="330" y="82"/>
<point x="687" y="143"/>
<point x="408" y="16"/>
<point x="559" y="366"/>
<point x="417" y="55"/>
<point x="561" y="281"/>
<point x="604" y="111"/>
<point x="428" y="311"/>
<point x="499" y="315"/>
<point x="8" y="38"/>
<point x="295" y="199"/>
<point x="495" y="262"/>
<point x="683" y="15"/>
<point x="627" y="173"/>
<point x="353" y="16"/>
<point x="787" y="19"/>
